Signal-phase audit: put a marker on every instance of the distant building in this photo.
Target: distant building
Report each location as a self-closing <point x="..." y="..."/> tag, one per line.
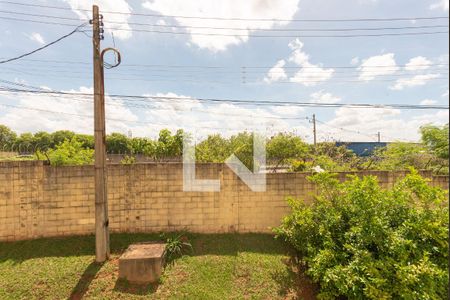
<point x="362" y="149"/>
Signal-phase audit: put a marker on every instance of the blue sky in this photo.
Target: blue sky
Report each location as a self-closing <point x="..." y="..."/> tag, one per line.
<point x="296" y="68"/>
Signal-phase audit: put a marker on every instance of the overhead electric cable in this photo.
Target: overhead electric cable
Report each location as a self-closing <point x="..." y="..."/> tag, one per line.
<point x="232" y="75"/>
<point x="236" y="19"/>
<point x="231" y="67"/>
<point x="43" y="47"/>
<point x="251" y="102"/>
<point x="280" y="36"/>
<point x="405" y="34"/>
<point x="235" y="28"/>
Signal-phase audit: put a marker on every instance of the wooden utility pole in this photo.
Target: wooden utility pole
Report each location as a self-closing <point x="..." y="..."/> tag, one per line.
<point x="102" y="249"/>
<point x="315" y="131"/>
<point x="379" y="137"/>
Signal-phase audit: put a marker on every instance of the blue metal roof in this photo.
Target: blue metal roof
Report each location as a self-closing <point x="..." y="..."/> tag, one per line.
<point x="362" y="149"/>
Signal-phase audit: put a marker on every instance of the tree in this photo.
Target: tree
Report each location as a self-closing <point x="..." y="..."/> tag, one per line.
<point x="7" y="138"/>
<point x="42" y="141"/>
<point x="333" y="158"/>
<point x="284" y="147"/>
<point x="241" y="145"/>
<point x="169" y="145"/>
<point x="214" y="148"/>
<point x="86" y="140"/>
<point x="69" y="153"/>
<point x="138" y="145"/>
<point x="117" y="143"/>
<point x="399" y="156"/>
<point x="25" y="143"/>
<point x="60" y="136"/>
<point x="218" y="149"/>
<point x="436" y="139"/>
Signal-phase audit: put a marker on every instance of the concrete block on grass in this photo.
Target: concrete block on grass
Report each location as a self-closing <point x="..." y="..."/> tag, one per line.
<point x="142" y="263"/>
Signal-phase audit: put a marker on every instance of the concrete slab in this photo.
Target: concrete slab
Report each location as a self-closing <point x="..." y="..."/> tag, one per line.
<point x="142" y="263"/>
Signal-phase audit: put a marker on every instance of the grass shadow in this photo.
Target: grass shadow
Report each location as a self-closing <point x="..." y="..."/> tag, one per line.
<point x="233" y="244"/>
<point x="203" y="244"/>
<point x="126" y="287"/>
<point x="294" y="283"/>
<point x="20" y="251"/>
<point x="85" y="281"/>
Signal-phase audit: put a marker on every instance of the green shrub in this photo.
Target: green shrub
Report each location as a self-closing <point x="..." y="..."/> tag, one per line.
<point x="300" y="166"/>
<point x="176" y="246"/>
<point x="128" y="160"/>
<point x="364" y="242"/>
<point x="69" y="153"/>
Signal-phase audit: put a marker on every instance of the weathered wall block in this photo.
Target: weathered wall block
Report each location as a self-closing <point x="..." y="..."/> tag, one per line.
<point x="42" y="201"/>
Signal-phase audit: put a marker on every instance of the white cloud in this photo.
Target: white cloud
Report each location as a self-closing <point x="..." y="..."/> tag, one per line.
<point x="418" y="63"/>
<point x="347" y="116"/>
<point x="378" y="66"/>
<point x="170" y="111"/>
<point x="442" y="4"/>
<point x="428" y="102"/>
<point x="116" y="5"/>
<point x="70" y="112"/>
<point x="36" y="37"/>
<point x="277" y="73"/>
<point x="322" y="97"/>
<point x="225" y="10"/>
<point x="443" y="59"/>
<point x="226" y="118"/>
<point x="418" y="80"/>
<point x="445" y="94"/>
<point x="311" y="75"/>
<point x="308" y="75"/>
<point x="287" y="110"/>
<point x="351" y="124"/>
<point x="202" y="118"/>
<point x="354" y="61"/>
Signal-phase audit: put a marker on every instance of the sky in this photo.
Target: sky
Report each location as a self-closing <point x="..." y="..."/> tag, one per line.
<point x="253" y="50"/>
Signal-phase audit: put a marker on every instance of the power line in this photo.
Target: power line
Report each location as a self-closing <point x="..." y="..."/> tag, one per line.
<point x="238" y="67"/>
<point x="249" y="102"/>
<point x="232" y="81"/>
<point x="240" y="70"/>
<point x="111" y="119"/>
<point x="43" y="47"/>
<point x="236" y="19"/>
<point x="374" y="136"/>
<point x="165" y="124"/>
<point x="284" y="29"/>
<point x="193" y="78"/>
<point x="86" y="99"/>
<point x="37" y="21"/>
<point x="240" y="35"/>
<point x="189" y="75"/>
<point x="345" y="129"/>
<point x="235" y="28"/>
<point x="280" y="36"/>
<point x="152" y="123"/>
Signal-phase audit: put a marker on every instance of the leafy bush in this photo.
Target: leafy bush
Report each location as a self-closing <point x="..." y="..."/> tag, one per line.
<point x="401" y="156"/>
<point x="284" y="147"/>
<point x="69" y="153"/>
<point x="300" y="166"/>
<point x="364" y="242"/>
<point x="128" y="160"/>
<point x="436" y="139"/>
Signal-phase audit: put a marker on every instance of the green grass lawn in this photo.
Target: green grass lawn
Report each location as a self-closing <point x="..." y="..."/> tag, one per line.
<point x="250" y="266"/>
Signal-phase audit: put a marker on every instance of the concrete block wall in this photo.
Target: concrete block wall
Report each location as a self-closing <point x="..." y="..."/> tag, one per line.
<point x="43" y="201"/>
